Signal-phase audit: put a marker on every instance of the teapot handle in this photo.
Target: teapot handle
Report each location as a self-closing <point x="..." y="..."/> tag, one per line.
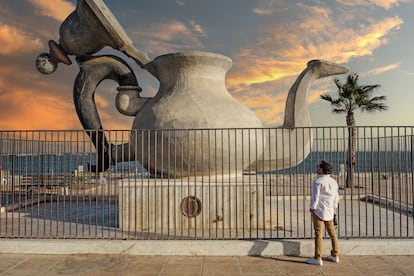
<point x="93" y="70"/>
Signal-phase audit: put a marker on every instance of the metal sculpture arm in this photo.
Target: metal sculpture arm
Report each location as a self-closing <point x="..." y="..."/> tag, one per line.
<point x="93" y="72"/>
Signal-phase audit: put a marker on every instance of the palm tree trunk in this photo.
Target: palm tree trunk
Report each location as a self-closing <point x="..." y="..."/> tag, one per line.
<point x="350" y="121"/>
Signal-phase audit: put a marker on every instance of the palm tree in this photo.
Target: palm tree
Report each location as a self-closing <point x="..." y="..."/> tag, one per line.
<point x="352" y="96"/>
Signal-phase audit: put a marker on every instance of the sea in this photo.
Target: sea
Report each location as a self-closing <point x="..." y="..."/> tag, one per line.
<point x="60" y="164"/>
<point x="63" y="164"/>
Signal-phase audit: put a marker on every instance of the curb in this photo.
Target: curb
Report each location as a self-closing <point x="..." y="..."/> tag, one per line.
<point x="375" y="247"/>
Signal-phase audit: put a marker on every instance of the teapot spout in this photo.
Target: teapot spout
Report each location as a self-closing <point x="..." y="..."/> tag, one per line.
<point x="295" y="130"/>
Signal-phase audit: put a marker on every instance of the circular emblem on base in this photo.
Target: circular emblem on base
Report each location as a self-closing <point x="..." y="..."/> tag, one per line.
<point x="191" y="206"/>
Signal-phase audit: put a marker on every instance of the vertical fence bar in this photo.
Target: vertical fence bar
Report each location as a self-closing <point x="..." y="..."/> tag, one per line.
<point x="3" y="186"/>
<point x="236" y="199"/>
<point x="412" y="176"/>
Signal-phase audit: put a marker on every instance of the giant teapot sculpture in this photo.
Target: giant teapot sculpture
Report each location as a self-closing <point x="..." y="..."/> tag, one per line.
<point x="192" y="126"/>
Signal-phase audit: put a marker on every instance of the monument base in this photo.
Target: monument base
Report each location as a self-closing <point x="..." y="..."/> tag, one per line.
<point x="192" y="205"/>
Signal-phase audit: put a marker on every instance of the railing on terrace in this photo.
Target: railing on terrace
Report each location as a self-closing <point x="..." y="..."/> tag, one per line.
<point x="47" y="190"/>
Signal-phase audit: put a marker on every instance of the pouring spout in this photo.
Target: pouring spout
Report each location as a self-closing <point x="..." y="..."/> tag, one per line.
<point x="288" y="145"/>
<point x="296" y="108"/>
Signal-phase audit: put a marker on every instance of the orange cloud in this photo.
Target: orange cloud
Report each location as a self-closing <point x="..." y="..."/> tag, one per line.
<point x="14" y="41"/>
<point x="102" y="102"/>
<point x="35" y="110"/>
<point x="282" y="53"/>
<point x="268" y="100"/>
<point x="109" y="115"/>
<point x="57" y="9"/>
<point x="27" y="105"/>
<point x="322" y="86"/>
<point x="31" y="110"/>
<point x="197" y="28"/>
<point x="260" y="78"/>
<point x="268" y="108"/>
<point x="36" y="104"/>
<point x="386" y="4"/>
<point x="261" y="70"/>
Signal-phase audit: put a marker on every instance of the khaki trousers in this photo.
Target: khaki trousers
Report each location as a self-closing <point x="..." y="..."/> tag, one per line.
<point x="330" y="228"/>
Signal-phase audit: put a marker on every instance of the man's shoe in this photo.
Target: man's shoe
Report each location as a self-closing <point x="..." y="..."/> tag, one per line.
<point x="314" y="261"/>
<point x="332" y="259"/>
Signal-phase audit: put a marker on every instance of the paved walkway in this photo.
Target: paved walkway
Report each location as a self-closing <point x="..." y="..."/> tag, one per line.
<point x="94" y="264"/>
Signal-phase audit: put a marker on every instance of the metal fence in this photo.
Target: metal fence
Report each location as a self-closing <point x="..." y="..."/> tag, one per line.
<point x="171" y="184"/>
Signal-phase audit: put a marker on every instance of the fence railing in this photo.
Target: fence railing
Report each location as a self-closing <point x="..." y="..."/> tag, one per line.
<point x="201" y="184"/>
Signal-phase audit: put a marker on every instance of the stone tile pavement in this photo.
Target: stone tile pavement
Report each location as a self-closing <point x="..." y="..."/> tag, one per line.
<point x="119" y="264"/>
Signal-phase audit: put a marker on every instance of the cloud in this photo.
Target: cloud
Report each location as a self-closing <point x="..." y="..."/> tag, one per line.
<point x="15" y="41"/>
<point x="38" y="103"/>
<point x="269" y="108"/>
<point x="386" y="4"/>
<point x="170" y="36"/>
<point x="263" y="71"/>
<point x="109" y="115"/>
<point x="197" y="28"/>
<point x="289" y="36"/>
<point x="57" y="9"/>
<point x="285" y="52"/>
<point x="263" y="11"/>
<point x="381" y="70"/>
<point x="267" y="100"/>
<point x="30" y="105"/>
<point x="31" y="109"/>
<point x="268" y="7"/>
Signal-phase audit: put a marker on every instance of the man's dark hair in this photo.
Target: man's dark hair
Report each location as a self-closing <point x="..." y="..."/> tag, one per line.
<point x="326" y="167"/>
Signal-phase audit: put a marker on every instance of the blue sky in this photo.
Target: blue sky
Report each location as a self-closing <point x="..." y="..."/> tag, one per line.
<point x="269" y="41"/>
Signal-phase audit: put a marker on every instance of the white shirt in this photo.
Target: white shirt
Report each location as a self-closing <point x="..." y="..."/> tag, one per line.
<point x="325" y="197"/>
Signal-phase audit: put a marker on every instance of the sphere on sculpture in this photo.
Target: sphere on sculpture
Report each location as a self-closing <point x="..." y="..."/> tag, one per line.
<point x="45" y="64"/>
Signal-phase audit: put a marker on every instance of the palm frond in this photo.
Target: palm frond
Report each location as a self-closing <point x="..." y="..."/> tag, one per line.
<point x="352" y="95"/>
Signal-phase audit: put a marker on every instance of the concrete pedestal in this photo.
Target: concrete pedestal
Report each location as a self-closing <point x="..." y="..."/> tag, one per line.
<point x="191" y="205"/>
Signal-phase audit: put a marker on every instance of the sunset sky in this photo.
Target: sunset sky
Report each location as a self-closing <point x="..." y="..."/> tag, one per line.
<point x="269" y="41"/>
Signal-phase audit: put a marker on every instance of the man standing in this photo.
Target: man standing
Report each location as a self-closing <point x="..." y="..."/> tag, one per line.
<point x="324" y="202"/>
